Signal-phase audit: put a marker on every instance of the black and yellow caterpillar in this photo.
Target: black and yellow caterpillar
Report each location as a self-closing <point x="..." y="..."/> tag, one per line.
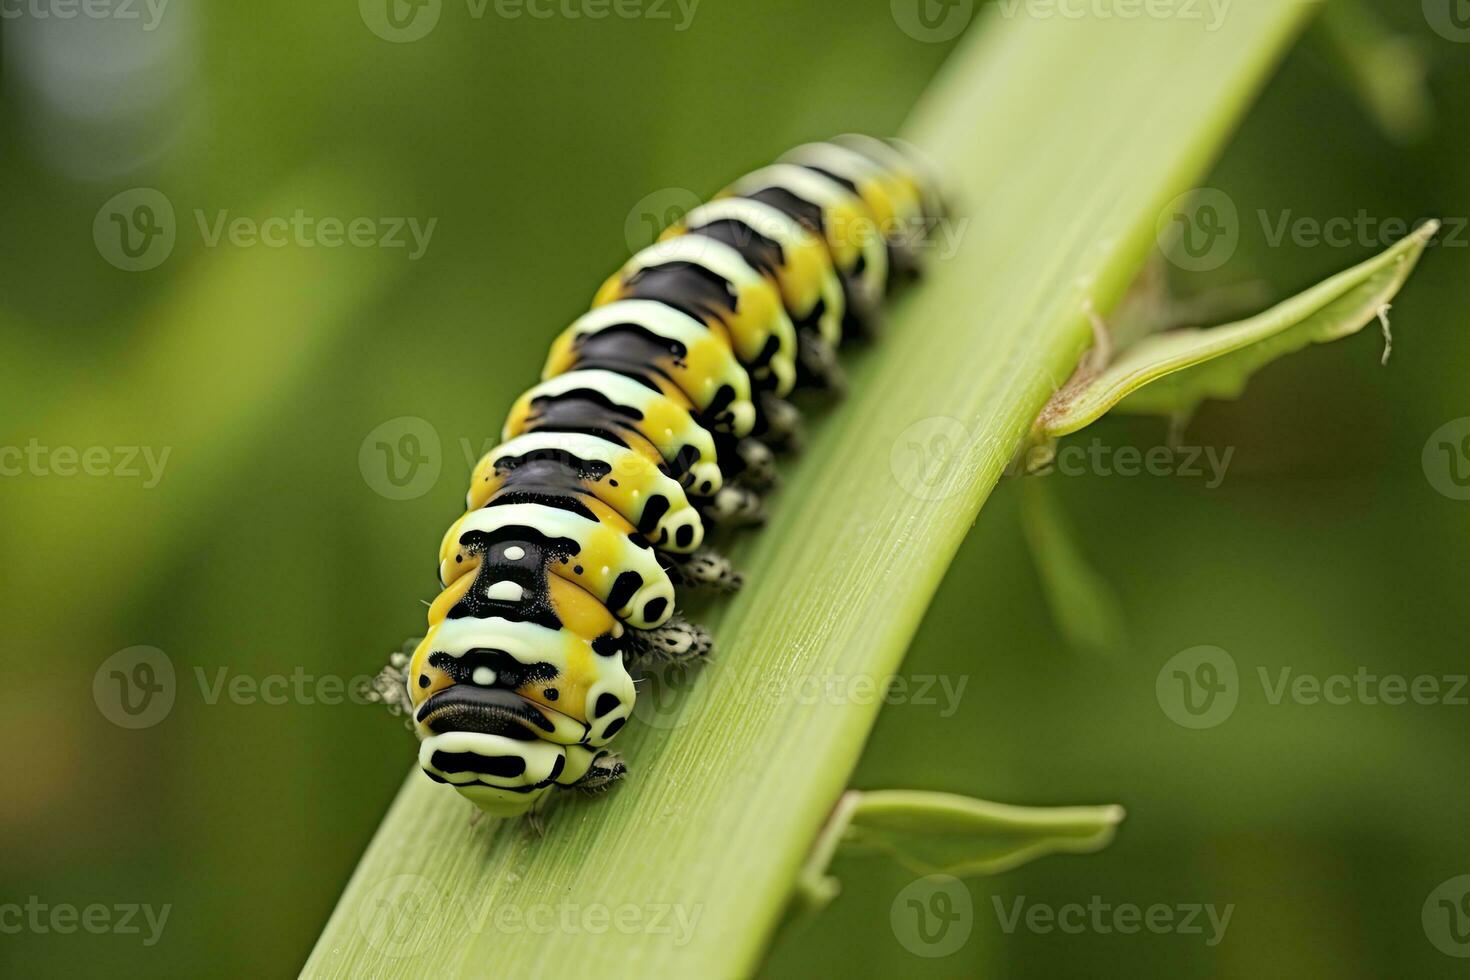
<point x="657" y="418"/>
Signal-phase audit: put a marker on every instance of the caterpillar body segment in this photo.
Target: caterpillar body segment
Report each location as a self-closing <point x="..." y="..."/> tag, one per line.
<point x="903" y="163"/>
<point x="909" y="167"/>
<point x="642" y="337"/>
<point x="585" y="542"/>
<point x="657" y="422"/>
<point x="782" y="248"/>
<point x="579" y="400"/>
<point x="844" y="221"/>
<point x="545" y="599"/>
<point x="658" y="345"/>
<point x="713" y="282"/>
<point x="909" y="163"/>
<point x="797" y="262"/>
<point x="893" y="200"/>
<point x="543" y="464"/>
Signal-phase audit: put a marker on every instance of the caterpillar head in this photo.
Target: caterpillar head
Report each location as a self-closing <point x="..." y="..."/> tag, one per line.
<point x="503" y="776"/>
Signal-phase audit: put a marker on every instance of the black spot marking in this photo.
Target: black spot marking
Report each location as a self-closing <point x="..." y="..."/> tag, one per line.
<point x="607" y="703"/>
<point x="506" y="766"/>
<point x="655" y="608"/>
<point x="625" y="586"/>
<point x="654" y="509"/>
<point x="607" y="645"/>
<point x="684" y="459"/>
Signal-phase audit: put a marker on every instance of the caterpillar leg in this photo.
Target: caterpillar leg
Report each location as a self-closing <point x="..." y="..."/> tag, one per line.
<point x="390" y="687"/>
<point x="604" y="772"/>
<point x="676" y="641"/>
<point x="705" y="569"/>
<point x="758" y="465"/>
<point x="733" y="507"/>
<point x="817" y="364"/>
<point x="783" y="428"/>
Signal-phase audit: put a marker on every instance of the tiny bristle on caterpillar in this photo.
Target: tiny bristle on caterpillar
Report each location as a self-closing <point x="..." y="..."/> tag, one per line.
<point x="658" y="418"/>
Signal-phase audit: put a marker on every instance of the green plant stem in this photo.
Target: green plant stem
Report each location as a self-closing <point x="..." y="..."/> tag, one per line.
<point x="1064" y="140"/>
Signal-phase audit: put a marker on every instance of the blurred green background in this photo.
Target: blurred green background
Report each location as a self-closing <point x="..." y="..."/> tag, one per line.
<point x="268" y="546"/>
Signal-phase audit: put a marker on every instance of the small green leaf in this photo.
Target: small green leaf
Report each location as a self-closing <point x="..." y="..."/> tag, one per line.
<point x="942" y="833"/>
<point x="961" y="836"/>
<point x="1170" y="374"/>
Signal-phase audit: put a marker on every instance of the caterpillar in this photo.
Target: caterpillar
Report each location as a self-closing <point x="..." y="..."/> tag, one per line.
<point x="657" y="421"/>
